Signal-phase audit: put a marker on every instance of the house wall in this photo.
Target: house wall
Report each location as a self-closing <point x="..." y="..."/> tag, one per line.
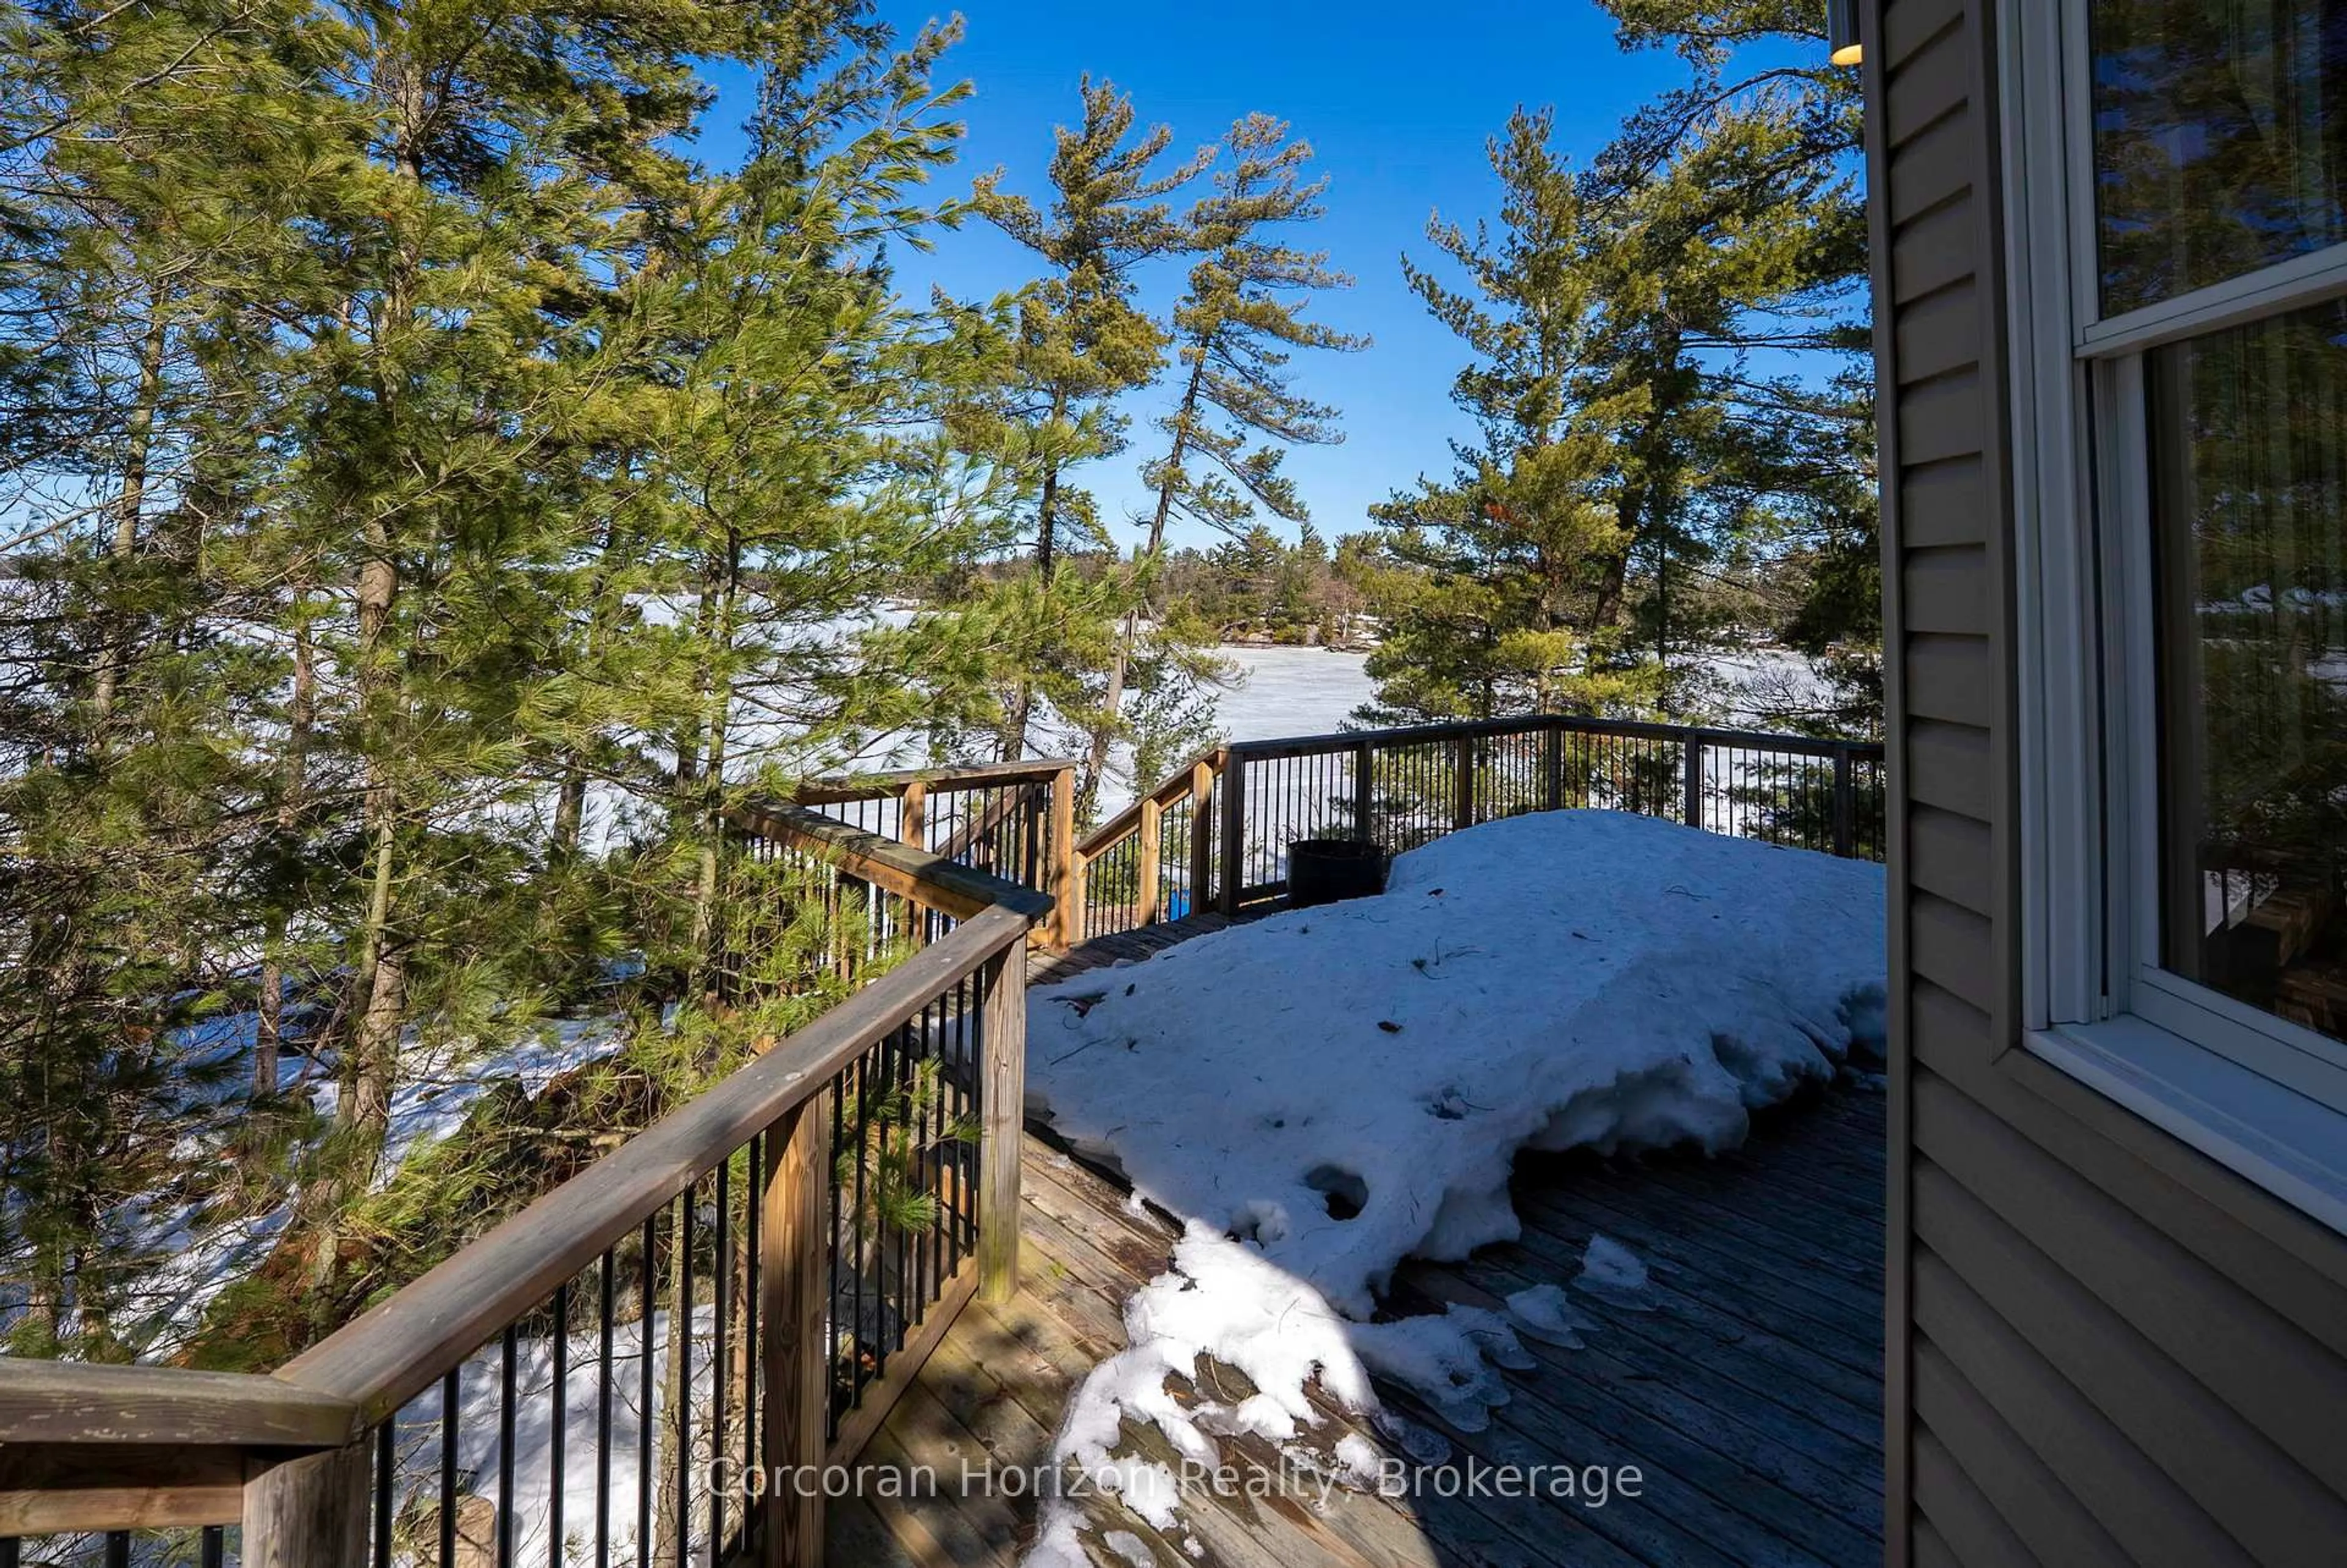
<point x="2103" y="1348"/>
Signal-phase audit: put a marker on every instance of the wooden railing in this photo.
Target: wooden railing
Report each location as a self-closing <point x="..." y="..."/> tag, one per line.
<point x="744" y="1287"/>
<point x="1016" y="820"/>
<point x="1156" y="859"/>
<point x="747" y="1285"/>
<point x="1215" y="833"/>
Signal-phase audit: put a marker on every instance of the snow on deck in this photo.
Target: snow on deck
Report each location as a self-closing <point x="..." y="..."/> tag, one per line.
<point x="1329" y="1091"/>
<point x="1745" y="1387"/>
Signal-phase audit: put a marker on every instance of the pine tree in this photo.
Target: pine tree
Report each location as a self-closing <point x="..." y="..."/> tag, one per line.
<point x="1082" y="339"/>
<point x="1492" y="588"/>
<point x="141" y="231"/>
<point x="800" y="468"/>
<point x="492" y="148"/>
<point x="1745" y="231"/>
<point x="1640" y="314"/>
<point x="1236" y="327"/>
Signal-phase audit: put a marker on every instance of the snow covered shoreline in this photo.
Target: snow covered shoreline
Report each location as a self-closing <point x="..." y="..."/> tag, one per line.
<point x="1328" y="1092"/>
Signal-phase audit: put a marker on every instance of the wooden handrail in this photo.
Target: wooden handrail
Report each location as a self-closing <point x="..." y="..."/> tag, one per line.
<point x="81" y="1402"/>
<point x="1212" y="834"/>
<point x="839" y="789"/>
<point x="380" y="1361"/>
<point x="959" y="890"/>
<point x="105" y="1447"/>
<point x="914" y="789"/>
<point x="1177" y="785"/>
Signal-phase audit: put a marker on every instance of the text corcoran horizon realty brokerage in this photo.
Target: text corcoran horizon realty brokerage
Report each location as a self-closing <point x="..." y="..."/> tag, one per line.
<point x="1590" y="1486"/>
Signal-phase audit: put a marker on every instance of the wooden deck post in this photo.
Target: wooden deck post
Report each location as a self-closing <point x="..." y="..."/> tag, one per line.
<point x="1153" y="829"/>
<point x="1234" y="829"/>
<point x="1365" y="793"/>
<point x="1202" y="835"/>
<point x="794" y="1362"/>
<point x="309" y="1512"/>
<point x="913" y="817"/>
<point x="1067" y="865"/>
<point x="1002" y="1106"/>
<point x="913" y="831"/>
<point x="1694" y="781"/>
<point x="1463" y="808"/>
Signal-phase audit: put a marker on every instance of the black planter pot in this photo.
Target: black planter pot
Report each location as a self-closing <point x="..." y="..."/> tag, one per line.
<point x="1325" y="870"/>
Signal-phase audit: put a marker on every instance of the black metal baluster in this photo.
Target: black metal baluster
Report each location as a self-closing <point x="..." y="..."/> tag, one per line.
<point x="940" y="1122"/>
<point x="721" y="1366"/>
<point x="560" y="1434"/>
<point x="752" y="1201"/>
<point x="949" y="1175"/>
<point x="212" y="1548"/>
<point x="605" y="1302"/>
<point x="933" y="1117"/>
<point x="863" y="1129"/>
<point x="908" y="1245"/>
<point x="509" y="1348"/>
<point x="972" y="1068"/>
<point x="386" y="1457"/>
<point x="118" y="1549"/>
<point x="644" y="1399"/>
<point x="1039" y="798"/>
<point x="450" y="1389"/>
<point x="10" y="1552"/>
<point x="681" y="1322"/>
<point x="832" y="1258"/>
<point x="892" y="1298"/>
<point x="918" y="1147"/>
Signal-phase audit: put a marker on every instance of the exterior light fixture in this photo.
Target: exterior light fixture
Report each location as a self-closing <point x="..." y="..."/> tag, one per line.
<point x="1841" y="32"/>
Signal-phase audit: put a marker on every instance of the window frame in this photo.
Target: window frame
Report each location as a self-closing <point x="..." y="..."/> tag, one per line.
<point x="2264" y="1096"/>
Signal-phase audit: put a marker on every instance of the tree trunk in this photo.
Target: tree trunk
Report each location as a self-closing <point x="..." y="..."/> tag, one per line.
<point x="708" y="805"/>
<point x="570" y="799"/>
<point x="569" y="810"/>
<point x="669" y="1446"/>
<point x="1046" y="525"/>
<point x="293" y="783"/>
<point x="131" y="505"/>
<point x="373" y="990"/>
<point x="1662" y="617"/>
<point x="1104" y="736"/>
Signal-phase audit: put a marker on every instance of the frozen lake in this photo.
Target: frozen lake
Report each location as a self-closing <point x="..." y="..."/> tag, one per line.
<point x="1292" y="691"/>
<point x="1309" y="691"/>
<point x="1288" y="692"/>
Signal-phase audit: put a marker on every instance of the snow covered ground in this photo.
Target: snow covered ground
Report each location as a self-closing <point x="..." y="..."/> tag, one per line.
<point x="1326" y="1091"/>
<point x="192" y="1251"/>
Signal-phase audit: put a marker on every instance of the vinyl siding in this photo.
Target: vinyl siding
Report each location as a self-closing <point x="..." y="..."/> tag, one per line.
<point x="2104" y="1348"/>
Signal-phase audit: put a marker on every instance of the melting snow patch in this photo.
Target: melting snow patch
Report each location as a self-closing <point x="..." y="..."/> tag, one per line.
<point x="1612" y="1271"/>
<point x="1543" y="1314"/>
<point x="1327" y="1092"/>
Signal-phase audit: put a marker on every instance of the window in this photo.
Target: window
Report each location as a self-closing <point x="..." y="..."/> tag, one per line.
<point x="2248" y="436"/>
<point x="2176" y="222"/>
<point x="2220" y="139"/>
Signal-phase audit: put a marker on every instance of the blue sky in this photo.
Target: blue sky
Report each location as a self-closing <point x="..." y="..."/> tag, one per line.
<point x="1397" y="100"/>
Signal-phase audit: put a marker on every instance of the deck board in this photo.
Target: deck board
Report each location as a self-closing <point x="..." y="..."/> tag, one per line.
<point x="1750" y="1395"/>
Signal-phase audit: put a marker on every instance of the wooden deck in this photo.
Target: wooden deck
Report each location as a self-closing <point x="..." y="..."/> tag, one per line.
<point x="1044" y="969"/>
<point x="1748" y="1397"/>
